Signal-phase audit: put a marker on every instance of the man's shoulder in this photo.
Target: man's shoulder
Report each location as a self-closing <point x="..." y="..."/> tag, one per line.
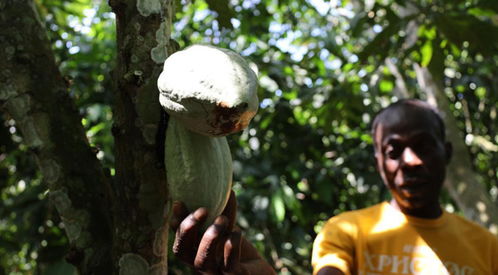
<point x="359" y="214"/>
<point x="354" y="221"/>
<point x="474" y="229"/>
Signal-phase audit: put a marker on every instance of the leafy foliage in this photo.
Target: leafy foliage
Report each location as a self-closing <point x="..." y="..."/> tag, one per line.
<point x="323" y="75"/>
<point x="325" y="69"/>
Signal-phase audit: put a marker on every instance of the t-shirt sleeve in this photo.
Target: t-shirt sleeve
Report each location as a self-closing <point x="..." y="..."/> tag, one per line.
<point x="495" y="255"/>
<point x="334" y="246"/>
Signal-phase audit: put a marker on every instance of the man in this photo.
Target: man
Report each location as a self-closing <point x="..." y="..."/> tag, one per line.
<point x="411" y="234"/>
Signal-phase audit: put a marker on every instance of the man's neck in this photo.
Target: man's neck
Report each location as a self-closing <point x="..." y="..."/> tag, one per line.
<point x="430" y="211"/>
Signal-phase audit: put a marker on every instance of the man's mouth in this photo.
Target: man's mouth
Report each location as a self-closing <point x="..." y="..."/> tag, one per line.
<point x="414" y="181"/>
<point x="413" y="186"/>
<point x="412" y="189"/>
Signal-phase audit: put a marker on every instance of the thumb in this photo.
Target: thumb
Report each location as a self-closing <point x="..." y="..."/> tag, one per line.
<point x="230" y="210"/>
<point x="231" y="255"/>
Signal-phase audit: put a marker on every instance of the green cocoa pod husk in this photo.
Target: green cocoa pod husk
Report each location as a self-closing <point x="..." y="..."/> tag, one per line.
<point x="198" y="168"/>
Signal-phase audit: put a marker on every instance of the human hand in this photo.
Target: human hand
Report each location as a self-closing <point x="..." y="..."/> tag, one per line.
<point x="220" y="249"/>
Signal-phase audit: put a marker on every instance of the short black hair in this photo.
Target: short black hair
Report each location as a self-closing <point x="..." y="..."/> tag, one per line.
<point x="381" y="116"/>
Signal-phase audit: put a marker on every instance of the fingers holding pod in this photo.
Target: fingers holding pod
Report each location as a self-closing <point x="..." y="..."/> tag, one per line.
<point x="187" y="236"/>
<point x="210" y="253"/>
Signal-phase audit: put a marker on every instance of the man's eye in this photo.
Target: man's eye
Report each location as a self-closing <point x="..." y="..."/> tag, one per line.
<point x="393" y="152"/>
<point x="425" y="147"/>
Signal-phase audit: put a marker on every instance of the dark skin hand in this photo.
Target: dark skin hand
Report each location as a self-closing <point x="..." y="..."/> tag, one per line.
<point x="221" y="249"/>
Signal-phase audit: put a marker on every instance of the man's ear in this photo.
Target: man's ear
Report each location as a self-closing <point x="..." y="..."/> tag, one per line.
<point x="377" y="161"/>
<point x="380" y="169"/>
<point x="379" y="166"/>
<point x="449" y="151"/>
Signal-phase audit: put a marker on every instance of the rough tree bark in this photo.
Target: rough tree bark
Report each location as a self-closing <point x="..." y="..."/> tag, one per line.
<point x="143" y="39"/>
<point x="461" y="181"/>
<point x="35" y="95"/>
<point x="114" y="225"/>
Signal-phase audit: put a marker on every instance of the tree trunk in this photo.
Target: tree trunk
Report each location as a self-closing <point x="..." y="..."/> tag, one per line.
<point x="34" y="94"/>
<point x="143" y="39"/>
<point x="119" y="225"/>
<point x="461" y="181"/>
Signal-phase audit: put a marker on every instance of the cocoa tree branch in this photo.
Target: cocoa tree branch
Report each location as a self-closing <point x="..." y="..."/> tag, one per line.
<point x="143" y="42"/>
<point x="35" y="95"/>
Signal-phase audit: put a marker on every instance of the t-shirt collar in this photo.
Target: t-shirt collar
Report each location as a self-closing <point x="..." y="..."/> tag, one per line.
<point x="416" y="221"/>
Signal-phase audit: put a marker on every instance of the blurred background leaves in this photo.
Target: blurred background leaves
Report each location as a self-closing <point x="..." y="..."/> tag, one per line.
<point x="325" y="68"/>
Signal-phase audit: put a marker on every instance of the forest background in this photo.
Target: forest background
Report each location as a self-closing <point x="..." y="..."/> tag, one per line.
<point x="325" y="68"/>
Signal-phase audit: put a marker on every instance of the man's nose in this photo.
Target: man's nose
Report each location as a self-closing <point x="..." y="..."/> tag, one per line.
<point x="410" y="158"/>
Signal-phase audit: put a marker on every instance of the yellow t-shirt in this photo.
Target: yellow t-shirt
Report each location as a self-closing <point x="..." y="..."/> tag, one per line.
<point x="382" y="240"/>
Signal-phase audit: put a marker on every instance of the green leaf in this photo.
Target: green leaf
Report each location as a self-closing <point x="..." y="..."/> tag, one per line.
<point x="301" y="115"/>
<point x="481" y="92"/>
<point x="290" y="198"/>
<point x="426" y="52"/>
<point x="386" y="86"/>
<point x="96" y="129"/>
<point x="278" y="206"/>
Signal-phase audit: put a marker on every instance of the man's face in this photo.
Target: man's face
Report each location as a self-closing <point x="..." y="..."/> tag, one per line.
<point x="411" y="157"/>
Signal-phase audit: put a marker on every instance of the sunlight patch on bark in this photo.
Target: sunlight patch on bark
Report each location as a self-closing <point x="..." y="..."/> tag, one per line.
<point x="75" y="220"/>
<point x="160" y="52"/>
<point x="132" y="264"/>
<point x="148" y="7"/>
